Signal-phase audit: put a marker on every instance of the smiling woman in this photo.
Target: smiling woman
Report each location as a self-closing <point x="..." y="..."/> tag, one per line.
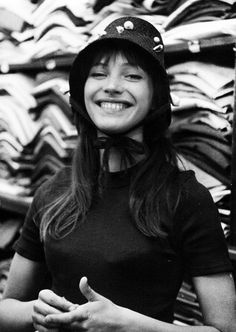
<point x="117" y="95"/>
<point x="123" y="216"/>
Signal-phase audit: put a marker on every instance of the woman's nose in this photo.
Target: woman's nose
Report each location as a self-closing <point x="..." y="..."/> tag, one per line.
<point x="113" y="85"/>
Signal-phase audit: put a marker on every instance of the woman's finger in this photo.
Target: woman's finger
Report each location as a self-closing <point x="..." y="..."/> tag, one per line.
<point x="39" y="320"/>
<point x="45" y="309"/>
<point x="43" y="329"/>
<point x="78" y="314"/>
<point x="48" y="296"/>
<point x="88" y="292"/>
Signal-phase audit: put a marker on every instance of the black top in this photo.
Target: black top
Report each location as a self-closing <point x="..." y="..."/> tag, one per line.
<point x="122" y="264"/>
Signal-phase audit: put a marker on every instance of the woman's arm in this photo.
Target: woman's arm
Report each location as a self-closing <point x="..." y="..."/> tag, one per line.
<point x="26" y="301"/>
<point x="216" y="295"/>
<point x="25" y="279"/>
<point x="16" y="316"/>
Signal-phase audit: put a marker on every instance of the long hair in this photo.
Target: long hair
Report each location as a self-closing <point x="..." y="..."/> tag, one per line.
<point x="152" y="198"/>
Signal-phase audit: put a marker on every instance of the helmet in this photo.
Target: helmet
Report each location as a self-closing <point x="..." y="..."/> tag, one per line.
<point x="131" y="30"/>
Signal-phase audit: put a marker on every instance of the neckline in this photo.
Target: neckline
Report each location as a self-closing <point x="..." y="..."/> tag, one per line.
<point x="119" y="179"/>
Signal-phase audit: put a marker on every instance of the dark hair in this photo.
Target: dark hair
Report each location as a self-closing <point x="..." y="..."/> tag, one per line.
<point x="152" y="198"/>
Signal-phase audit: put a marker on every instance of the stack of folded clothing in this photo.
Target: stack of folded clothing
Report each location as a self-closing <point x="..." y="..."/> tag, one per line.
<point x="193" y="11"/>
<point x="202" y="124"/>
<point x="39" y="30"/>
<point x="51" y="148"/>
<point x="194" y="20"/>
<point x="17" y="128"/>
<point x="187" y="308"/>
<point x="55" y="29"/>
<point x="37" y="135"/>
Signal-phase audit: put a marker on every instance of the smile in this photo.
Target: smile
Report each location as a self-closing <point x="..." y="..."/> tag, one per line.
<point x="113" y="106"/>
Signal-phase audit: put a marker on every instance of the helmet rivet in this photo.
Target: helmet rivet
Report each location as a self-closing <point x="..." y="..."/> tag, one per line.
<point x="156" y="39"/>
<point x="120" y="29"/>
<point x="129" y="25"/>
<point x="158" y="48"/>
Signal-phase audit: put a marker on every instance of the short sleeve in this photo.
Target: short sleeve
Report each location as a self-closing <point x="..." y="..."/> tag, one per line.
<point x="29" y="245"/>
<point x="203" y="244"/>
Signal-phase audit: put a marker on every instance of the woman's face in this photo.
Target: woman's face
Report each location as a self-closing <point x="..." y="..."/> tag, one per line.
<point x="117" y="95"/>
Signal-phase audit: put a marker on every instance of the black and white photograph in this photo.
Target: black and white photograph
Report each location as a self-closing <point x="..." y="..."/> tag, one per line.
<point x="117" y="166"/>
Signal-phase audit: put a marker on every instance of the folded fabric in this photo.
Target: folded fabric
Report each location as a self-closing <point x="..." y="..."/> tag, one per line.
<point x="217" y="76"/>
<point x="8" y="230"/>
<point x="207" y="166"/>
<point x="15" y="18"/>
<point x="209" y="181"/>
<point x="198" y="10"/>
<point x="201" y="116"/>
<point x="22" y="126"/>
<point x="46" y="7"/>
<point x="200" y="30"/>
<point x="204" y="146"/>
<point x="158" y="6"/>
<point x="52" y="114"/>
<point x="13" y="202"/>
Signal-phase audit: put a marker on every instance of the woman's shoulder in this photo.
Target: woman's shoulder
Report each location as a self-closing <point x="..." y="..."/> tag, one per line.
<point x="194" y="195"/>
<point x="190" y="185"/>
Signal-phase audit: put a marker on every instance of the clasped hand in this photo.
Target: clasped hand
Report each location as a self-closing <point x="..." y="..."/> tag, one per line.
<point x="52" y="313"/>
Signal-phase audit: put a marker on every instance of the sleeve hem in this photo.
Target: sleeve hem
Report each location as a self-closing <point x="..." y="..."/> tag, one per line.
<point x="26" y="254"/>
<point x="211" y="270"/>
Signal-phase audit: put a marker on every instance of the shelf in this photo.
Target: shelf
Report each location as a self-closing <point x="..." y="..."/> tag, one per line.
<point x="65" y="61"/>
<point x="196" y="46"/>
<point x="49" y="63"/>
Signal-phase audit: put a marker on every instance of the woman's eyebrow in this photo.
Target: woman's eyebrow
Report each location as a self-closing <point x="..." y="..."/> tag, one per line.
<point x="132" y="65"/>
<point x="100" y="63"/>
<point x="124" y="64"/>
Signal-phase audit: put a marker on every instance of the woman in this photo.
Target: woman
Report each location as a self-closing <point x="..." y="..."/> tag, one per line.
<point x="123" y="216"/>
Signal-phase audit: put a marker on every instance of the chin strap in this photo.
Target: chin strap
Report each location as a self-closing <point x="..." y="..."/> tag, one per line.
<point x="126" y="146"/>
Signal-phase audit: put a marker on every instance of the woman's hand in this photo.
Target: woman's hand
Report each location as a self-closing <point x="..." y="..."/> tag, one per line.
<point x="48" y="303"/>
<point x="98" y="314"/>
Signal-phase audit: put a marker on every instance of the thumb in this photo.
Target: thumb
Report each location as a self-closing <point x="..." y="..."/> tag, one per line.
<point x="88" y="292"/>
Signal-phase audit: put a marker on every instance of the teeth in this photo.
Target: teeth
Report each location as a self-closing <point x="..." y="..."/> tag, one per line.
<point x="113" y="106"/>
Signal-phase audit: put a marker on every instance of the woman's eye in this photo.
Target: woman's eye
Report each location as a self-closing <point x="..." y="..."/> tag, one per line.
<point x="135" y="77"/>
<point x="97" y="74"/>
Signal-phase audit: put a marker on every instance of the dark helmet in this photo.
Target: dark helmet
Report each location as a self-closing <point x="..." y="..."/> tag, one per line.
<point x="131" y="30"/>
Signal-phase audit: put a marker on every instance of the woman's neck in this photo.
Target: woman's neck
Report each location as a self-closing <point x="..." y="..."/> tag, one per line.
<point x="115" y="157"/>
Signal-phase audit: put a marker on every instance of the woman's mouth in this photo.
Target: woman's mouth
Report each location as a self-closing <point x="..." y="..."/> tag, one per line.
<point x="113" y="106"/>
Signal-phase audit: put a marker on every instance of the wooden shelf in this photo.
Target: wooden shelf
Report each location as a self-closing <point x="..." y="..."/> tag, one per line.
<point x="48" y="64"/>
<point x="65" y="61"/>
<point x="197" y="46"/>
